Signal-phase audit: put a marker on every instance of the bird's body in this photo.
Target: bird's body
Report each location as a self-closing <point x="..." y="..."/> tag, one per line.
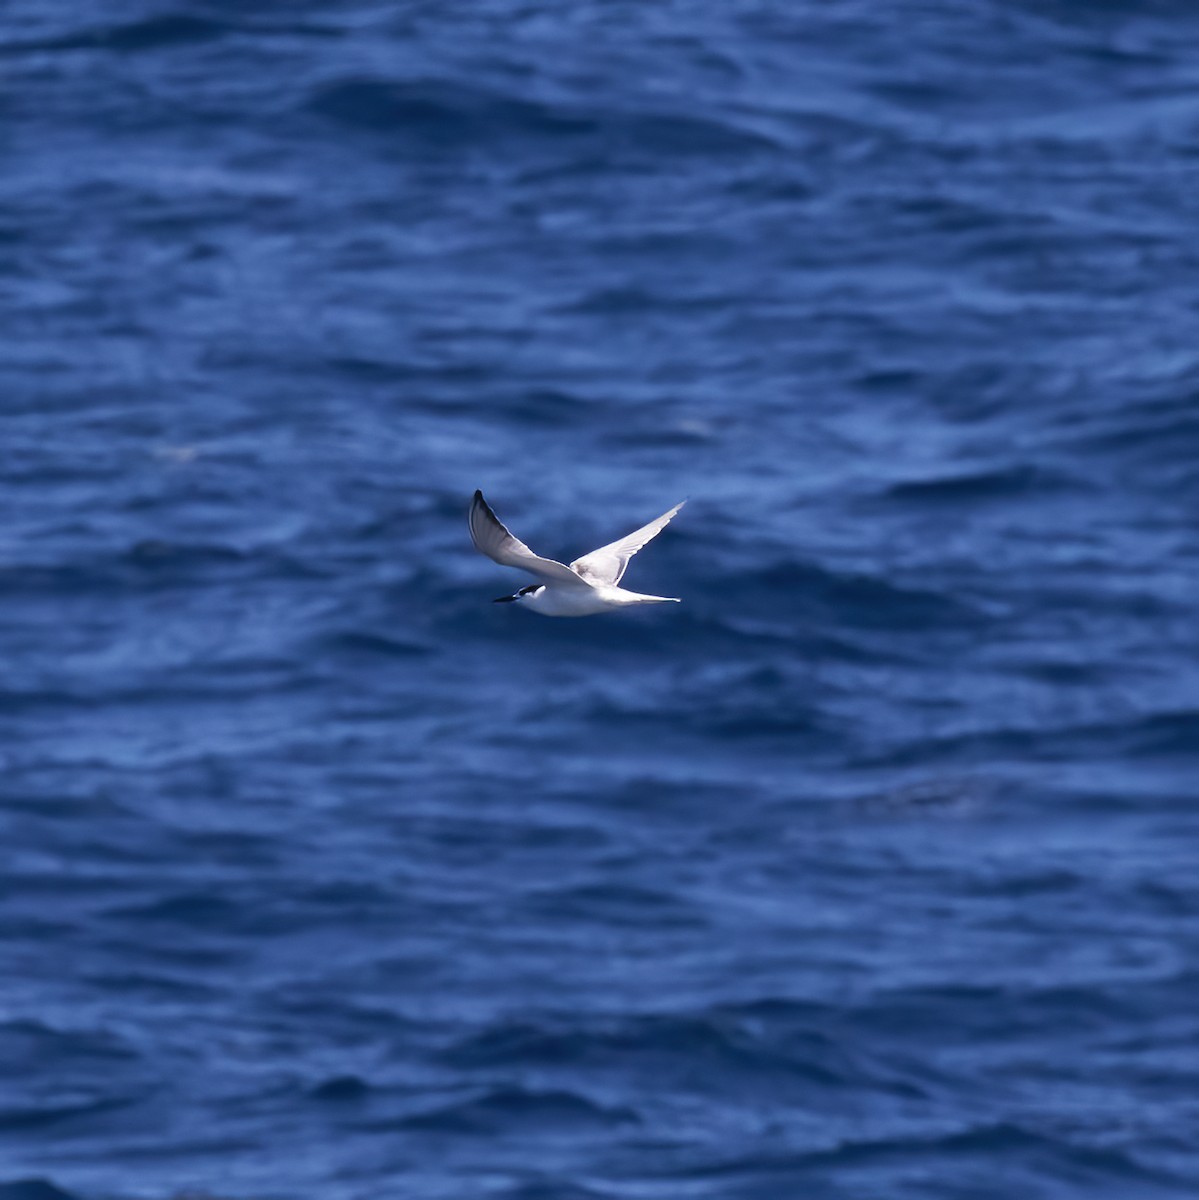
<point x="589" y="585"/>
<point x="553" y="601"/>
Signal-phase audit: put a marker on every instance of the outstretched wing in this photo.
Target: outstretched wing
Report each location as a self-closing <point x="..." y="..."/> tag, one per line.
<point x="608" y="563"/>
<point x="491" y="538"/>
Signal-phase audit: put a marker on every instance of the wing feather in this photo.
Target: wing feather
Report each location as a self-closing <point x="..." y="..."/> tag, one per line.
<point x="491" y="537"/>
<point x="608" y="563"/>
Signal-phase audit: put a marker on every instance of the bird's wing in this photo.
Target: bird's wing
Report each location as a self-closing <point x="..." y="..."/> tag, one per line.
<point x="608" y="563"/>
<point x="491" y="538"/>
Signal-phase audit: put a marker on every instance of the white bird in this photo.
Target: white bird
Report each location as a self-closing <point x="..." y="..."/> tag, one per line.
<point x="588" y="585"/>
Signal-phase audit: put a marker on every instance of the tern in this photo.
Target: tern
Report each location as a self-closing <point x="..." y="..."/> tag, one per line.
<point x="587" y="586"/>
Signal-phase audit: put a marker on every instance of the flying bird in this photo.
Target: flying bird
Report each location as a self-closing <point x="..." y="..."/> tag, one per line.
<point x="589" y="585"/>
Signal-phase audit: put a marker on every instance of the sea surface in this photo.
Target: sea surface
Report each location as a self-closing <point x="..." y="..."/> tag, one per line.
<point x="868" y="872"/>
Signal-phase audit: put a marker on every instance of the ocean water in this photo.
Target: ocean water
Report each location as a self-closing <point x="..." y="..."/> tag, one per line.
<point x="869" y="871"/>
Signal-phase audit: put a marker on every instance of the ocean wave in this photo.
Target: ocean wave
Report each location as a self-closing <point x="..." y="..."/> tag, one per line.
<point x="341" y="1088"/>
<point x="452" y="114"/>
<point x="997" y="484"/>
<point x="509" y="1108"/>
<point x="866" y="869"/>
<point x="33" y="1188"/>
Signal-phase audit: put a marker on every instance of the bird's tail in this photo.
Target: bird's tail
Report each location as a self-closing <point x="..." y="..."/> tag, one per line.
<point x="638" y="598"/>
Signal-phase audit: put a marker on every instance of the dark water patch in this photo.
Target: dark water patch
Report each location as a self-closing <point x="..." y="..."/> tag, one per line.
<point x="27" y="1041"/>
<point x="1016" y="884"/>
<point x="657" y="1038"/>
<point x="37" y="1117"/>
<point x="920" y="96"/>
<point x="960" y="1153"/>
<point x="298" y="908"/>
<point x="508" y="1109"/>
<point x="55" y="699"/>
<point x="858" y="600"/>
<point x="554" y="1188"/>
<point x="1065" y="673"/>
<point x="157" y="564"/>
<point x="157" y="32"/>
<point x="442" y="113"/>
<point x="1157" y="430"/>
<point x="950" y="216"/>
<point x="197" y="691"/>
<point x="30" y="925"/>
<point x="157" y="985"/>
<point x="353" y="1017"/>
<point x="1011" y="1141"/>
<point x="438" y="115"/>
<point x="369" y="644"/>
<point x="899" y="380"/>
<point x="197" y="910"/>
<point x="779" y="634"/>
<point x="1167" y="734"/>
<point x="977" y="1012"/>
<point x="199" y="951"/>
<point x="146" y="1154"/>
<point x="32" y="1189"/>
<point x="613" y="904"/>
<point x="341" y="1088"/>
<point x="550" y="407"/>
<point x="152" y="33"/>
<point x="154" y="553"/>
<point x="534" y="408"/>
<point x="517" y="1042"/>
<point x="746" y="1048"/>
<point x="250" y="849"/>
<point x="434" y="377"/>
<point x="1006" y="483"/>
<point x="1174" y="900"/>
<point x="630" y="301"/>
<point x="1164" y="737"/>
<point x="348" y="896"/>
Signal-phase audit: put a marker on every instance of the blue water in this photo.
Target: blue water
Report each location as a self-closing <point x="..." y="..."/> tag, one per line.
<point x="870" y="870"/>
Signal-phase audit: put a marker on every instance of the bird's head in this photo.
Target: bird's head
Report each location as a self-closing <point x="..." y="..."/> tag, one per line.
<point x="525" y="594"/>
